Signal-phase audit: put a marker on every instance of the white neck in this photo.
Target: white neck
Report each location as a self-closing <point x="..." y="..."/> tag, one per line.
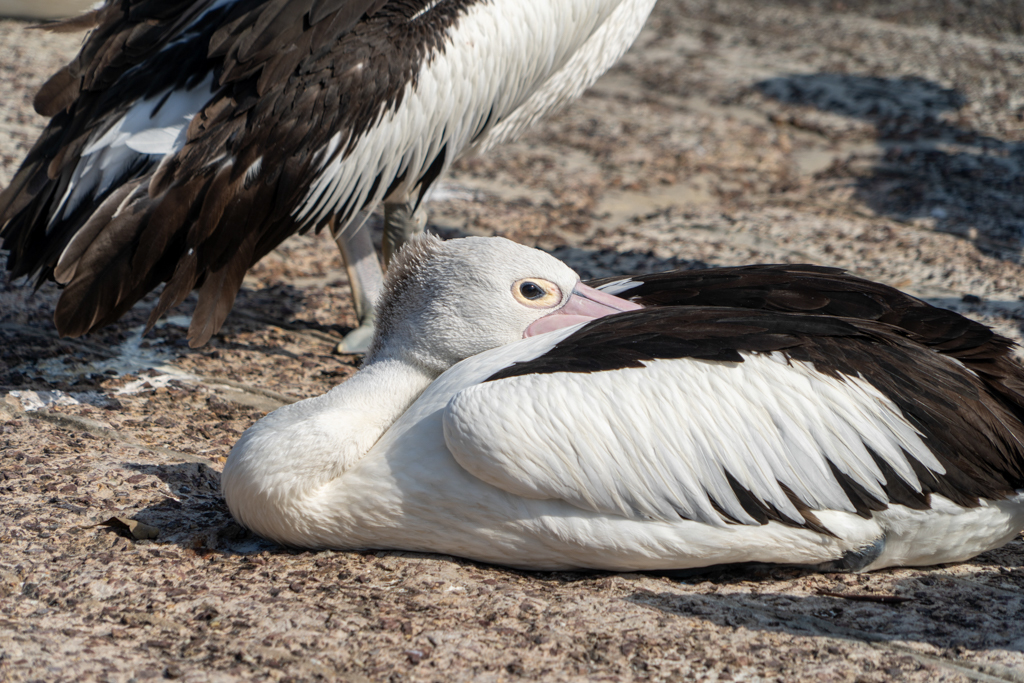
<point x="283" y="463"/>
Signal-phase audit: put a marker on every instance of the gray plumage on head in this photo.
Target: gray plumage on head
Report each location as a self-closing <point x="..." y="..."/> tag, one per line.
<point x="444" y="301"/>
<point x="401" y="277"/>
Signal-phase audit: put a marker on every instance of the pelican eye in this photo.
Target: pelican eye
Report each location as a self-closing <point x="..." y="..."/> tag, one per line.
<point x="537" y="292"/>
<point x="530" y="290"/>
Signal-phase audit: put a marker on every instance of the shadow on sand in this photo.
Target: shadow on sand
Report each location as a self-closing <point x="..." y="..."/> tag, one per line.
<point x="929" y="164"/>
<point x="938" y="609"/>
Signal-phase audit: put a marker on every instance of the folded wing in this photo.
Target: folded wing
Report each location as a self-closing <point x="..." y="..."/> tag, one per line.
<point x="737" y="417"/>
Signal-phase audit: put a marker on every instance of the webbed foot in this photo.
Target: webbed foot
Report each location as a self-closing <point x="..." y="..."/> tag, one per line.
<point x="358" y="340"/>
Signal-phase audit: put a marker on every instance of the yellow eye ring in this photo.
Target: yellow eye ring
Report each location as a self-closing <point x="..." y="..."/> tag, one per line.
<point x="535" y="292"/>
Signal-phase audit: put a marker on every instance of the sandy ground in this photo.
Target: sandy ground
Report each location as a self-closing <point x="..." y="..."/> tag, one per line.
<point x="883" y="137"/>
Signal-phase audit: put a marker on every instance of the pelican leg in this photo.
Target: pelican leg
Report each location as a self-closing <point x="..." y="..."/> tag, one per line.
<point x="402" y="222"/>
<point x="367" y="281"/>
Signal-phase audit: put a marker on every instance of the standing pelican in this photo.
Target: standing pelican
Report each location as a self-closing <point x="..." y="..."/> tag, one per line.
<point x="190" y="137"/>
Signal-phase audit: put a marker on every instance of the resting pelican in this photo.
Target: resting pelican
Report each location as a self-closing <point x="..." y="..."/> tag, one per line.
<point x="190" y="137"/>
<point x="510" y="414"/>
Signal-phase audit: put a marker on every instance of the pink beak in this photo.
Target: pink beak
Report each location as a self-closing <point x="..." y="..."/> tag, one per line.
<point x="585" y="303"/>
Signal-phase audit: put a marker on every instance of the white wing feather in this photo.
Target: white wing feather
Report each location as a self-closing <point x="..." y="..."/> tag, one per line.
<point x="509" y="68"/>
<point x="656" y="442"/>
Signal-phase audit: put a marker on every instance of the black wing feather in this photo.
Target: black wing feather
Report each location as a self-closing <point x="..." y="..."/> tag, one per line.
<point x="830" y="291"/>
<point x="286" y="85"/>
